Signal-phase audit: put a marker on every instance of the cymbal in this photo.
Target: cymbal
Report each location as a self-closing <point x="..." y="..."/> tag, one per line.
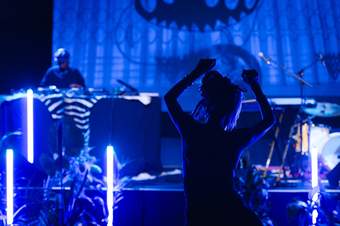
<point x="323" y="109"/>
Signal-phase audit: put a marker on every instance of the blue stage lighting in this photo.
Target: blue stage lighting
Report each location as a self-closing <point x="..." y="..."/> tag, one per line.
<point x="30" y="129"/>
<point x="110" y="155"/>
<point x="314" y="167"/>
<point x="9" y="186"/>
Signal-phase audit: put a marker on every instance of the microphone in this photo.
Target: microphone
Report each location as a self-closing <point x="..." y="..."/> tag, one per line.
<point x="267" y="60"/>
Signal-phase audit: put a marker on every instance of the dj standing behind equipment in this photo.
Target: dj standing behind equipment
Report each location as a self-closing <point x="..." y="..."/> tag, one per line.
<point x="62" y="75"/>
<point x="212" y="145"/>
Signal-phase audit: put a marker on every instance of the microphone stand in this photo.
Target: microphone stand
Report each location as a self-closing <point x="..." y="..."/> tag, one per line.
<point x="314" y="195"/>
<point x="301" y="121"/>
<point x="302" y="83"/>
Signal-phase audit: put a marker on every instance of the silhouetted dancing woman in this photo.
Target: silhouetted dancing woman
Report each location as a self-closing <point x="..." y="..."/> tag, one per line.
<point x="212" y="145"/>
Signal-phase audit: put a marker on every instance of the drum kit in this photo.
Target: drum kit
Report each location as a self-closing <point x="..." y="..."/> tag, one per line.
<point x="309" y="137"/>
<point x="306" y="137"/>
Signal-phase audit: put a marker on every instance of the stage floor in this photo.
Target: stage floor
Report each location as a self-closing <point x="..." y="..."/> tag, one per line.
<point x="160" y="201"/>
<point x="148" y="200"/>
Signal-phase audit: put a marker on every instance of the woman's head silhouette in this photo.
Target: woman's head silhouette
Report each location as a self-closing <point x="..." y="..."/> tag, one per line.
<point x="221" y="101"/>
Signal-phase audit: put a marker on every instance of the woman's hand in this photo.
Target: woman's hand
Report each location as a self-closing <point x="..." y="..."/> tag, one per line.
<point x="250" y="76"/>
<point x="204" y="65"/>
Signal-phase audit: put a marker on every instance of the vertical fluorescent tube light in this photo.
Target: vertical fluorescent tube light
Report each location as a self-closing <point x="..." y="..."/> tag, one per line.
<point x="9" y="186"/>
<point x="314" y="165"/>
<point x="315" y="183"/>
<point x="30" y="129"/>
<point x="109" y="180"/>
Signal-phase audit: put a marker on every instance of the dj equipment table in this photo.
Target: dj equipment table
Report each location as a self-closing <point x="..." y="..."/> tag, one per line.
<point x="128" y="122"/>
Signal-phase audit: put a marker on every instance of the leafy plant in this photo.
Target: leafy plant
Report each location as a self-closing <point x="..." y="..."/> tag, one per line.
<point x="71" y="196"/>
<point x="253" y="188"/>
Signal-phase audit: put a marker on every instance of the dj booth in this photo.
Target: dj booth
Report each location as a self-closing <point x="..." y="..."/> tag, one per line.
<point x="130" y="123"/>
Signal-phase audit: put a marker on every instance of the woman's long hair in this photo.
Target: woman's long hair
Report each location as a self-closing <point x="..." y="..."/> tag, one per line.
<point x="220" y="98"/>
